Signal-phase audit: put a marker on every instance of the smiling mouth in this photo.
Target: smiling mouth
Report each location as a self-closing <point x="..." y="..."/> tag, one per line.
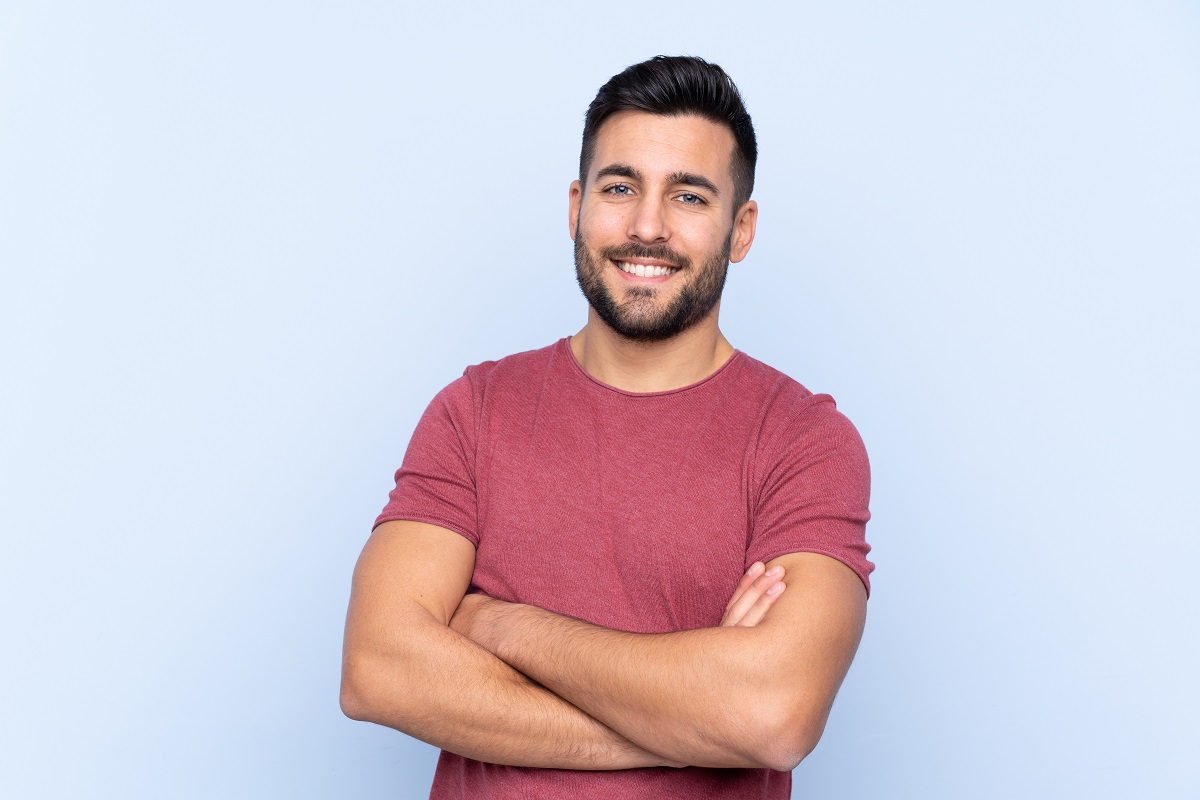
<point x="645" y="270"/>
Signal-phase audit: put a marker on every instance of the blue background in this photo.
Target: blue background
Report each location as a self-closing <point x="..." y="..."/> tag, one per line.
<point x="243" y="244"/>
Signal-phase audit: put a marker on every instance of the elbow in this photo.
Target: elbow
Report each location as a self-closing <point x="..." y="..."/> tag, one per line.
<point x="785" y="755"/>
<point x="352" y="704"/>
<point x="357" y="698"/>
<point x="786" y="734"/>
<point x="351" y="696"/>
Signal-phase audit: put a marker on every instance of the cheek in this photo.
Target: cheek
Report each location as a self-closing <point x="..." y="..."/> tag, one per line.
<point x="603" y="221"/>
<point x="699" y="236"/>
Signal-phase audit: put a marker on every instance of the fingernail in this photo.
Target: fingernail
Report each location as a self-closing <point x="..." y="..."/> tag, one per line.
<point x="776" y="588"/>
<point x="775" y="570"/>
<point x="755" y="567"/>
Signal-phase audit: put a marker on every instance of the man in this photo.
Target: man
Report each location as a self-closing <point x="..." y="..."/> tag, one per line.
<point x="577" y="587"/>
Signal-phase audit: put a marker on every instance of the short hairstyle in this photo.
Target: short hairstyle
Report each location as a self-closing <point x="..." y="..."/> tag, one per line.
<point x="676" y="86"/>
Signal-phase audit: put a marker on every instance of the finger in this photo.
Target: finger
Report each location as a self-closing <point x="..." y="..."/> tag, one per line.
<point x="761" y="606"/>
<point x="748" y="577"/>
<point x="746" y="600"/>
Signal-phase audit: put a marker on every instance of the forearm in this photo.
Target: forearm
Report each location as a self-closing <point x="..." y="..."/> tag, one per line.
<point x="753" y="696"/>
<point x="447" y="691"/>
<point x="403" y="667"/>
<point x="704" y="697"/>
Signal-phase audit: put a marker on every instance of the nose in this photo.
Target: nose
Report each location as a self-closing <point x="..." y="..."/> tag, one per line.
<point x="648" y="222"/>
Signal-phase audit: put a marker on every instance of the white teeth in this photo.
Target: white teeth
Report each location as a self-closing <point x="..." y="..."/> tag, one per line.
<point x="645" y="270"/>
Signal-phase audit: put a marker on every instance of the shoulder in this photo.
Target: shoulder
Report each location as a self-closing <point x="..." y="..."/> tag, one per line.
<point x="501" y="376"/>
<point x="514" y="370"/>
<point x="791" y="416"/>
<point x="784" y="400"/>
<point x="811" y="478"/>
<point x="764" y="380"/>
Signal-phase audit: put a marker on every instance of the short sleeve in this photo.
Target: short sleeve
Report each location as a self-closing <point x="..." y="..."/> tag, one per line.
<point x="814" y="485"/>
<point x="436" y="482"/>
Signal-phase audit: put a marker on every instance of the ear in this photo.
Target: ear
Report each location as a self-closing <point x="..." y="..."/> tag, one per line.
<point x="575" y="199"/>
<point x="743" y="231"/>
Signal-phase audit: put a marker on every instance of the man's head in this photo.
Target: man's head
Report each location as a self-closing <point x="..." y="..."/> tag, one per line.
<point x="661" y="206"/>
<point x="675" y="86"/>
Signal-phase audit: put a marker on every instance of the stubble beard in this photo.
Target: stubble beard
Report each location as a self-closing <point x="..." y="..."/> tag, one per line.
<point x="639" y="317"/>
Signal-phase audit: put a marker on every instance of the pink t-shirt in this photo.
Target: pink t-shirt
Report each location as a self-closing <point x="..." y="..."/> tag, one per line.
<point x="638" y="512"/>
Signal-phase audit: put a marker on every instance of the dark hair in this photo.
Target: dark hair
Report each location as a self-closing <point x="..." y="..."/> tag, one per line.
<point x="674" y="86"/>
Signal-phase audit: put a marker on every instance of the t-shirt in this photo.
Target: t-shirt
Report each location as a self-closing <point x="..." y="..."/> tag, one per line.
<point x="634" y="511"/>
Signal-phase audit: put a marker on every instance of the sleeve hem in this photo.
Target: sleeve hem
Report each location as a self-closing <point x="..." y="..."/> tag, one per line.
<point x="428" y="520"/>
<point x="857" y="570"/>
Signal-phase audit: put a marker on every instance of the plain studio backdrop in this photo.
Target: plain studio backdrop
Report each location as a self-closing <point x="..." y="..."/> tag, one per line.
<point x="244" y="244"/>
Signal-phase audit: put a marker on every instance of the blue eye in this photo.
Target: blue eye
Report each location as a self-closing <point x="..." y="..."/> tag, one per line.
<point x="692" y="199"/>
<point x="619" y="188"/>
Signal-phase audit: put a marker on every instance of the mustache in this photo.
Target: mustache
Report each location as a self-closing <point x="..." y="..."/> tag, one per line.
<point x="656" y="252"/>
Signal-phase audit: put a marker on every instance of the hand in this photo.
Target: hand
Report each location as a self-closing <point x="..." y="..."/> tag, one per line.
<point x="757" y="591"/>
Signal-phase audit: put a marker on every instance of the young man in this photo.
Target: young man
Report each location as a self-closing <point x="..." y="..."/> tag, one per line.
<point x="577" y="587"/>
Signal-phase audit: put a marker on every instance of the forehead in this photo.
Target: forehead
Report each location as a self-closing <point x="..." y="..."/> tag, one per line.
<point x="656" y="144"/>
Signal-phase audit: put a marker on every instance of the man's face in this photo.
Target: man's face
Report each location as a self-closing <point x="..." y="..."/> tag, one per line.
<point x="655" y="228"/>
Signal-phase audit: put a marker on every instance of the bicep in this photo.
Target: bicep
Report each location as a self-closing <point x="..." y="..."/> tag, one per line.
<point x="408" y="568"/>
<point x="817" y="623"/>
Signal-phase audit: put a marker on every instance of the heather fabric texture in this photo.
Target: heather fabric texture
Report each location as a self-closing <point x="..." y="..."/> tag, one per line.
<point x="638" y="512"/>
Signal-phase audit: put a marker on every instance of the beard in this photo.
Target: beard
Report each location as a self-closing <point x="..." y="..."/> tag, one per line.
<point x="640" y="317"/>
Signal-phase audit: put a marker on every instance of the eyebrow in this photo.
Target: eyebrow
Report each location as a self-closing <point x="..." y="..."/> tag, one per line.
<point x="692" y="179"/>
<point x="619" y="171"/>
<point x="674" y="179"/>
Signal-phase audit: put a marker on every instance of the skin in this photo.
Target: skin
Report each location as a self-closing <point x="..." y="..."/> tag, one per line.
<point x="399" y="648"/>
<point x="731" y="696"/>
<point x="649" y="206"/>
<point x="544" y="690"/>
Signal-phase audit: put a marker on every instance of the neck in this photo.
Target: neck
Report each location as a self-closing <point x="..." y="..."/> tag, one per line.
<point x="662" y="366"/>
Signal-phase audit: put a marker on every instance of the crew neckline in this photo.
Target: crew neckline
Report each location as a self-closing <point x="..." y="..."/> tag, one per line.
<point x="564" y="344"/>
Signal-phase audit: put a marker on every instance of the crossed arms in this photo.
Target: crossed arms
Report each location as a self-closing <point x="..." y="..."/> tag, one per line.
<point x="515" y="684"/>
